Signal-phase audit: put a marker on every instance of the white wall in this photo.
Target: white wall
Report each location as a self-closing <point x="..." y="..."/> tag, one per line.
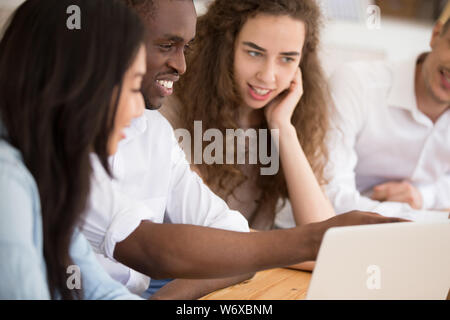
<point x="395" y="40"/>
<point x="10" y="3"/>
<point x="341" y="40"/>
<point x="201" y="6"/>
<point x="6" y="8"/>
<point x="352" y="40"/>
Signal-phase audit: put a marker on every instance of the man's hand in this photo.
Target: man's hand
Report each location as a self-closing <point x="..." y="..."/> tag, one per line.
<point x="398" y="192"/>
<point x="317" y="230"/>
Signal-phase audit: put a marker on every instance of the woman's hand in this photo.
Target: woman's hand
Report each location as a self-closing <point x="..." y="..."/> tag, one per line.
<point x="279" y="112"/>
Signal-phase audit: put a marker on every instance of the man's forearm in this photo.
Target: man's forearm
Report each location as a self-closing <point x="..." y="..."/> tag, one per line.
<point x="185" y="251"/>
<point x="189" y="289"/>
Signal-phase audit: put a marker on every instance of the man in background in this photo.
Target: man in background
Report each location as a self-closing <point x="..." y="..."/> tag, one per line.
<point x="390" y="143"/>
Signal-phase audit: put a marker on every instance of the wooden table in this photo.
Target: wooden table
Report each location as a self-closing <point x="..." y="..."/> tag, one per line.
<point x="273" y="284"/>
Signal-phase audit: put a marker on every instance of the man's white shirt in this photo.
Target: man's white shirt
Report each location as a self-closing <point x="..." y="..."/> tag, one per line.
<point x="152" y="181"/>
<point x="379" y="135"/>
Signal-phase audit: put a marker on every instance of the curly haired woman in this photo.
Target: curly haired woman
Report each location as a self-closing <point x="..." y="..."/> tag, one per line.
<point x="254" y="65"/>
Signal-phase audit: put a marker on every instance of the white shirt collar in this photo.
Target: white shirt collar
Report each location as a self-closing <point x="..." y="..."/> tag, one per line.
<point x="402" y="93"/>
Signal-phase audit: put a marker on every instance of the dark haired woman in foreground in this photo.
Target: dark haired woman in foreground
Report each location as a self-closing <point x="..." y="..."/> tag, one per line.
<point x="64" y="94"/>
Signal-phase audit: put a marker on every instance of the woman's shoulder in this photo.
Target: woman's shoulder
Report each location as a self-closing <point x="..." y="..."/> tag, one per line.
<point x="20" y="219"/>
<point x="12" y="166"/>
<point x="8" y="154"/>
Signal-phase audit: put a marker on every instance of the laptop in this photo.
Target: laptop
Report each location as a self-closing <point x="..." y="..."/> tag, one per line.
<point x="383" y="262"/>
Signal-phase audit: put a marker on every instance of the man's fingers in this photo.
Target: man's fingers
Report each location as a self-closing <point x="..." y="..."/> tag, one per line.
<point x="406" y="196"/>
<point x="391" y="219"/>
<point x="386" y="191"/>
<point x="378" y="218"/>
<point x="403" y="196"/>
<point x="382" y="186"/>
<point x="379" y="193"/>
<point x="382" y="219"/>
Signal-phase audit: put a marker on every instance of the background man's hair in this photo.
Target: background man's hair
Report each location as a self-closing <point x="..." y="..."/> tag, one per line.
<point x="144" y="8"/>
<point x="446" y="26"/>
<point x="138" y="3"/>
<point x="445" y="18"/>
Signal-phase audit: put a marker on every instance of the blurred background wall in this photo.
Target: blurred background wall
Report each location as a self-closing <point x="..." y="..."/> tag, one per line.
<point x="6" y="7"/>
<point x="354" y="31"/>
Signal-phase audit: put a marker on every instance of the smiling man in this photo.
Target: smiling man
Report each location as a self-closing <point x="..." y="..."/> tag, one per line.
<point x="172" y="25"/>
<point x="390" y="149"/>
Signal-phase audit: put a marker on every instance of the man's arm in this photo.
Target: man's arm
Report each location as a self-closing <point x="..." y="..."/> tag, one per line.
<point x="303" y="266"/>
<point x="398" y="191"/>
<point x="186" y="251"/>
<point x="433" y="196"/>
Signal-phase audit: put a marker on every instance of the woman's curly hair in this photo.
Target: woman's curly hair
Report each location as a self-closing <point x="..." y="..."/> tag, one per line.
<point x="208" y="92"/>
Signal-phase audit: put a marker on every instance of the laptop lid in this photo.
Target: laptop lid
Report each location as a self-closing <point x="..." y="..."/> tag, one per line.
<point x="386" y="261"/>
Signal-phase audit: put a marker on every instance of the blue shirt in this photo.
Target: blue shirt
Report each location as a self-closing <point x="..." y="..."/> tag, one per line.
<point x="22" y="263"/>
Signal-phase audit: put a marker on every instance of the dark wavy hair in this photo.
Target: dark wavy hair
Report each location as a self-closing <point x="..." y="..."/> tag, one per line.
<point x="58" y="105"/>
<point x="208" y="92"/>
<point x="145" y="8"/>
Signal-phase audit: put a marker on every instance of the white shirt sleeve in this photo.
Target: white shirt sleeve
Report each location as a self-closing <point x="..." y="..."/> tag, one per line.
<point x="348" y="118"/>
<point x="436" y="195"/>
<point x="97" y="284"/>
<point x="190" y="201"/>
<point x="110" y="217"/>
